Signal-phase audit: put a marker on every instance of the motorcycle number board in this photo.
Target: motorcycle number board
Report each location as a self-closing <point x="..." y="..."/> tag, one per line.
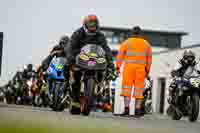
<point x="91" y="63"/>
<point x="59" y="67"/>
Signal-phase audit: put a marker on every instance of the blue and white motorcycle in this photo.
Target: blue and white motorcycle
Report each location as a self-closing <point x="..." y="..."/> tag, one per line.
<point x="56" y="82"/>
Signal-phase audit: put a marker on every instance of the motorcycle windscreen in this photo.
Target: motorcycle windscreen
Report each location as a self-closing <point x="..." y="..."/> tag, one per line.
<point x="56" y="69"/>
<point x="94" y="50"/>
<point x="58" y="61"/>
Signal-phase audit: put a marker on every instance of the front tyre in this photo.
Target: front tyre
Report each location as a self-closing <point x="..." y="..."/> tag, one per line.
<point x="176" y="115"/>
<point x="56" y="98"/>
<point x="87" y="100"/>
<point x="193" y="115"/>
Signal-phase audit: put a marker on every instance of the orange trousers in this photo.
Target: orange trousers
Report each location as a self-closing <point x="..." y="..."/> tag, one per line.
<point x="133" y="75"/>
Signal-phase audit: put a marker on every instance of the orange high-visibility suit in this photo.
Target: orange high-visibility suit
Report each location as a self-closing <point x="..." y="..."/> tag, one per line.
<point x="136" y="53"/>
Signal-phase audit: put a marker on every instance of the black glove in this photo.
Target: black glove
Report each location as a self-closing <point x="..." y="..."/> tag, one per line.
<point x="111" y="74"/>
<point x="174" y="73"/>
<point x="198" y="71"/>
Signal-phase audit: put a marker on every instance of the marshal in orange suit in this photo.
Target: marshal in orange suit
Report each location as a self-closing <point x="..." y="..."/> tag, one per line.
<point x="136" y="53"/>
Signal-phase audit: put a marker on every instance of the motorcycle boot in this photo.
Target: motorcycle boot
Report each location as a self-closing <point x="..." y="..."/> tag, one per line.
<point x="139" y="108"/>
<point x="126" y="112"/>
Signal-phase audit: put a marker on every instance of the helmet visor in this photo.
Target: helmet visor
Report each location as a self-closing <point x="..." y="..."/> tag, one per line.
<point x="190" y="58"/>
<point x="92" y="26"/>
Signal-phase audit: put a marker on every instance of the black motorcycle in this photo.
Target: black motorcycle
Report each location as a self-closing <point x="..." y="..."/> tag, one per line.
<point x="92" y="63"/>
<point x="185" y="98"/>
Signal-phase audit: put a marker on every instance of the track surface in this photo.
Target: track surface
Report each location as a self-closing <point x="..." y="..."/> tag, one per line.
<point x="150" y="123"/>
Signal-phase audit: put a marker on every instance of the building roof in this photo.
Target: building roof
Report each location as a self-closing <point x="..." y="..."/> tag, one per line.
<point x="117" y="29"/>
<point x="172" y="50"/>
<point x="154" y="49"/>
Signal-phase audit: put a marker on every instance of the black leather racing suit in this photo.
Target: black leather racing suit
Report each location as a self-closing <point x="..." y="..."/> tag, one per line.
<point x="47" y="60"/>
<point x="79" y="39"/>
<point x="179" y="72"/>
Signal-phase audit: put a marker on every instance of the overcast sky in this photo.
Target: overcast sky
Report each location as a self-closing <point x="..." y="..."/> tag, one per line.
<point x="31" y="26"/>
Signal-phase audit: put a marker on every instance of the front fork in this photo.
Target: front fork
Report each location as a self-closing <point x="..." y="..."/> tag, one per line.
<point x="82" y="84"/>
<point x="84" y="79"/>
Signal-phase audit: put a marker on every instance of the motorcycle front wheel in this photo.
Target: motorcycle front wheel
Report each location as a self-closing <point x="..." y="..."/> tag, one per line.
<point x="86" y="101"/>
<point x="193" y="114"/>
<point x="57" y="105"/>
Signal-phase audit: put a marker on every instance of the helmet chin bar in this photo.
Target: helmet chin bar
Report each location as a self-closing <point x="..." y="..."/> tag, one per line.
<point x="88" y="32"/>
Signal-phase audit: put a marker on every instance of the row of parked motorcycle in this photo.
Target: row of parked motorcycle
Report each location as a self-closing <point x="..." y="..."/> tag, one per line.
<point x="24" y="91"/>
<point x="36" y="92"/>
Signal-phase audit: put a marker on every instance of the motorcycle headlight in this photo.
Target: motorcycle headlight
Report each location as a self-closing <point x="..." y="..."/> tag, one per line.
<point x="59" y="67"/>
<point x="29" y="83"/>
<point x="93" y="54"/>
<point x="101" y="60"/>
<point x="84" y="57"/>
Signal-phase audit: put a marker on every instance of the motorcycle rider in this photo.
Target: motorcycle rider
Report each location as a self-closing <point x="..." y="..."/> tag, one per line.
<point x="87" y="34"/>
<point x="29" y="72"/>
<point x="18" y="75"/>
<point x="187" y="60"/>
<point x="57" y="50"/>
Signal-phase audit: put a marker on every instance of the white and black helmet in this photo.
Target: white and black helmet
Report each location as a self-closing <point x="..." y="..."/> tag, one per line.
<point x="64" y="40"/>
<point x="189" y="56"/>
